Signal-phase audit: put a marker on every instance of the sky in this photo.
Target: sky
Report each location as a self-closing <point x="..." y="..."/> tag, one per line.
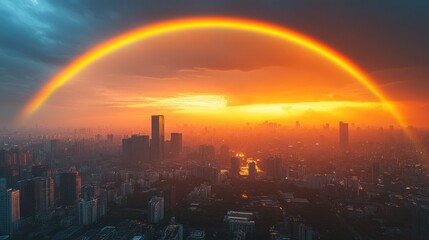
<point x="387" y="38"/>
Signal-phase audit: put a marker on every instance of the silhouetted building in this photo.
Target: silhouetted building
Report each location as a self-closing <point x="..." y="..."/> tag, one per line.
<point x="207" y="154"/>
<point x="41" y="171"/>
<point x="344" y="134"/>
<point x="135" y="149"/>
<point x="176" y="144"/>
<point x="157" y="141"/>
<point x="87" y="211"/>
<point x="224" y="152"/>
<point x="169" y="194"/>
<point x="88" y="192"/>
<point x="9" y="211"/>
<point x="235" y="167"/>
<point x="70" y="187"/>
<point x="156" y="209"/>
<point x="252" y="171"/>
<point x="27" y="189"/>
<point x="274" y="168"/>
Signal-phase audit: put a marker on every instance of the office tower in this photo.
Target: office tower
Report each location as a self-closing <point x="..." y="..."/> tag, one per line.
<point x="207" y="154"/>
<point x="44" y="193"/>
<point x="27" y="189"/>
<point x="235" y="167"/>
<point x="88" y="192"/>
<point x="273" y="167"/>
<point x="55" y="146"/>
<point x="252" y="171"/>
<point x="173" y="232"/>
<point x="240" y="221"/>
<point x="135" y="149"/>
<point x="157" y="142"/>
<point x="169" y="194"/>
<point x="70" y="186"/>
<point x="87" y="211"/>
<point x="176" y="144"/>
<point x="40" y="171"/>
<point x="156" y="209"/>
<point x="344" y="134"/>
<point x="224" y="152"/>
<point x="376" y="171"/>
<point x="109" y="138"/>
<point x="9" y="211"/>
<point x="3" y="184"/>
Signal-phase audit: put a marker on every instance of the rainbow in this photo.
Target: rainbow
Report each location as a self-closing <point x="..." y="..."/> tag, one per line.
<point x="177" y="25"/>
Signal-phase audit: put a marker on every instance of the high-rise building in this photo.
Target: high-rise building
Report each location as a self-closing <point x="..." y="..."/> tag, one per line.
<point x="44" y="190"/>
<point x="235" y="167"/>
<point x="157" y="141"/>
<point x="27" y="189"/>
<point x="9" y="211"/>
<point x="70" y="187"/>
<point x="173" y="232"/>
<point x="273" y="167"/>
<point x="176" y="144"/>
<point x="344" y="134"/>
<point x="252" y="171"/>
<point x="135" y="149"/>
<point x="156" y="209"/>
<point x="88" y="192"/>
<point x="207" y="154"/>
<point x="87" y="211"/>
<point x="224" y="152"/>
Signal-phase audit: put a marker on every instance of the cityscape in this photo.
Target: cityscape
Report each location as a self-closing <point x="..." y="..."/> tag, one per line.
<point x="280" y="182"/>
<point x="214" y="120"/>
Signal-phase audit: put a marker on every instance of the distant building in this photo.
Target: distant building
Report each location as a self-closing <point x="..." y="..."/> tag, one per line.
<point x="235" y="167"/>
<point x="252" y="171"/>
<point x="207" y="154"/>
<point x="196" y="235"/>
<point x="240" y="221"/>
<point x="224" y="152"/>
<point x="157" y="141"/>
<point x="200" y="193"/>
<point x="27" y="190"/>
<point x="9" y="211"/>
<point x="70" y="187"/>
<point x="87" y="211"/>
<point x="156" y="209"/>
<point x="176" y="143"/>
<point x="344" y="134"/>
<point x="88" y="192"/>
<point x="173" y="232"/>
<point x="135" y="149"/>
<point x="273" y="167"/>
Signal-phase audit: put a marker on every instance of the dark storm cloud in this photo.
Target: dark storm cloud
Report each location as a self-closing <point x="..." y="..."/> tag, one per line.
<point x="38" y="37"/>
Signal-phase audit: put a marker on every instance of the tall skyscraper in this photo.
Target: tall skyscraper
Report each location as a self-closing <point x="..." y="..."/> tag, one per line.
<point x="176" y="144"/>
<point x="135" y="149"/>
<point x="273" y="167"/>
<point x="235" y="167"/>
<point x="27" y="189"/>
<point x="252" y="171"/>
<point x="9" y="211"/>
<point x="70" y="187"/>
<point x="157" y="141"/>
<point x="156" y="209"/>
<point x="344" y="134"/>
<point x="87" y="211"/>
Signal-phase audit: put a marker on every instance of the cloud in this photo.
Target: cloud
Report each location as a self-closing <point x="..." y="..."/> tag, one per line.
<point x="39" y="37"/>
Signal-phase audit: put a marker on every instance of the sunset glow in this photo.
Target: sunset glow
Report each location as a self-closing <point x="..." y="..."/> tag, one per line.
<point x="149" y="31"/>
